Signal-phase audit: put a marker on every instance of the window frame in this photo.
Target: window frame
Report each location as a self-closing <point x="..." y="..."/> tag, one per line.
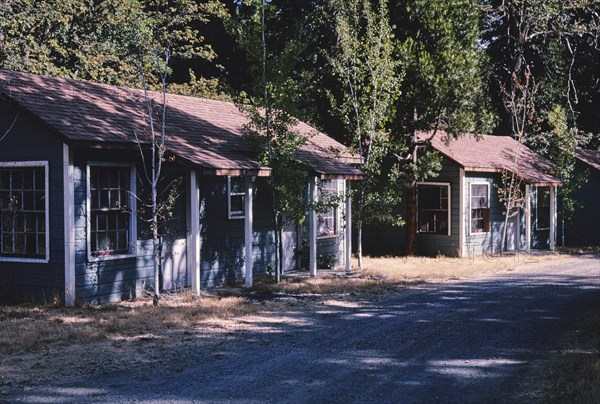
<point x="449" y="215"/>
<point x="537" y="207"/>
<point x="132" y="217"/>
<point x="335" y="209"/>
<point x="489" y="224"/>
<point x="32" y="164"/>
<point x="231" y="214"/>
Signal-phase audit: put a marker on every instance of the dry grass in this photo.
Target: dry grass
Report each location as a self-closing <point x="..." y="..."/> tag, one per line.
<point x="26" y="328"/>
<point x="382" y="274"/>
<point x="29" y="328"/>
<point x="575" y="377"/>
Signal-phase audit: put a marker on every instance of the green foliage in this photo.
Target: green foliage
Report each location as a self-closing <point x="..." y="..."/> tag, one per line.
<point x="97" y="40"/>
<point x="277" y="142"/>
<point x="445" y="82"/>
<point x="559" y="144"/>
<point x="370" y="74"/>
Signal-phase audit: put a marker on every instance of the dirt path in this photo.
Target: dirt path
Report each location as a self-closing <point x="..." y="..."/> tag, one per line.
<point x="483" y="339"/>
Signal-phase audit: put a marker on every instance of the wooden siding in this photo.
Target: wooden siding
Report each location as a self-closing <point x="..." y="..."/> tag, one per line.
<point x="222" y="239"/>
<point x="489" y="243"/>
<point x="31" y="140"/>
<point x="105" y="280"/>
<point x="583" y="229"/>
<point x="443" y="244"/>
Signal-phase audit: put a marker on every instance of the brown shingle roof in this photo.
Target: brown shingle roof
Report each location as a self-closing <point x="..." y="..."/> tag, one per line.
<point x="590" y="157"/>
<point x="494" y="154"/>
<point x="206" y="133"/>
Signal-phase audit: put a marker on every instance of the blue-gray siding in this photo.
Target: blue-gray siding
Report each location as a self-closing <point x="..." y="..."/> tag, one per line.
<point x="583" y="228"/>
<point x="31" y="140"/>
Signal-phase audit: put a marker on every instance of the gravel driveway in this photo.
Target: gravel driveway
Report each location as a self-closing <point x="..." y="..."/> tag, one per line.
<point x="483" y="339"/>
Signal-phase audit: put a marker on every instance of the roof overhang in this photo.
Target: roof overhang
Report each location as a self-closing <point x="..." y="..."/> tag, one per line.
<point x="532" y="181"/>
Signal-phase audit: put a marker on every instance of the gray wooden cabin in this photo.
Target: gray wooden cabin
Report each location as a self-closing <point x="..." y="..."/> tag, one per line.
<point x="72" y="194"/>
<point x="583" y="228"/>
<point x="459" y="213"/>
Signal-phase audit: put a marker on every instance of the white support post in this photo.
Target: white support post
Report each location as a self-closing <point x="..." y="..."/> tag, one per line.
<point x="193" y="247"/>
<point x="248" y="239"/>
<point x="528" y="218"/>
<point x="312" y="229"/>
<point x="69" y="224"/>
<point x="552" y="217"/>
<point x="348" y="251"/>
<point x="461" y="213"/>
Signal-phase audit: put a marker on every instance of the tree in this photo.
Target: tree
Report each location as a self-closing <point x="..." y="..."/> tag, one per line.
<point x="444" y="87"/>
<point x="271" y="124"/>
<point x="535" y="47"/>
<point x="365" y="64"/>
<point x="93" y="40"/>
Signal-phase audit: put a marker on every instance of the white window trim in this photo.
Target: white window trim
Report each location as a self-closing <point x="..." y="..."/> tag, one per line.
<point x="45" y="164"/>
<point x="230" y="213"/>
<point x="132" y="217"/>
<point x="336" y="214"/>
<point x="537" y="208"/>
<point x="487" y="184"/>
<point x="439" y="184"/>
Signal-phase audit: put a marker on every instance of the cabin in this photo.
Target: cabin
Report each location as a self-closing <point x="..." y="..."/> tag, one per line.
<point x="583" y="228"/>
<point x="74" y="194"/>
<point x="459" y="212"/>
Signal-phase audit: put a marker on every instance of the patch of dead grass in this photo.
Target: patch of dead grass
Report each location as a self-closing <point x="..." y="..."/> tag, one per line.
<point x="25" y="328"/>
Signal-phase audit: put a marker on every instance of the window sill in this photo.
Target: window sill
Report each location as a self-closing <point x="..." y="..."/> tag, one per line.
<point x="27" y="260"/>
<point x="94" y="258"/>
<point x="327" y="237"/>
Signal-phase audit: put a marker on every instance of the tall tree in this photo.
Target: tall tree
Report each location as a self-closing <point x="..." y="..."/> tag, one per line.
<point x="271" y="125"/>
<point x="370" y="74"/>
<point x="93" y="40"/>
<point x="444" y="87"/>
<point x="536" y="50"/>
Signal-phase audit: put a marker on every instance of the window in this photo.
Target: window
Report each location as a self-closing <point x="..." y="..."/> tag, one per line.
<point x="433" y="208"/>
<point x="480" y="208"/>
<point x="543" y="208"/>
<point x="111" y="207"/>
<point x="24" y="211"/>
<point x="327" y="221"/>
<point x="236" y="190"/>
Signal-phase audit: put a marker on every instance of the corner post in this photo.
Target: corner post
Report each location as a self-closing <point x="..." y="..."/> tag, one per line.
<point x="69" y="224"/>
<point x="312" y="228"/>
<point x="528" y="218"/>
<point x="552" y="217"/>
<point x="248" y="262"/>
<point x="348" y="251"/>
<point x="193" y="247"/>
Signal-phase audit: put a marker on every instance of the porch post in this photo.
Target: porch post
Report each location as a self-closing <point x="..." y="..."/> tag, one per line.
<point x="552" y="217"/>
<point x="528" y="218"/>
<point x="312" y="228"/>
<point x="248" y="240"/>
<point x="348" y="250"/>
<point x="69" y="225"/>
<point x="193" y="247"/>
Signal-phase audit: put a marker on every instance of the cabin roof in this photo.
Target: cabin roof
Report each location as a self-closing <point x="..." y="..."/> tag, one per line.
<point x="206" y="133"/>
<point x="590" y="157"/>
<point x="490" y="153"/>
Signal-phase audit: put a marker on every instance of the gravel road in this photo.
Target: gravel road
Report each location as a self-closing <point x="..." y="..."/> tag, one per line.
<point x="482" y="339"/>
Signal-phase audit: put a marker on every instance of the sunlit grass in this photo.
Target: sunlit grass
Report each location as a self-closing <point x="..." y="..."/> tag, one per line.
<point x="33" y="328"/>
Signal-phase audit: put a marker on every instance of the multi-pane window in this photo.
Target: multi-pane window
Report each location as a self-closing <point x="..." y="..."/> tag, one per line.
<point x="480" y="208"/>
<point x="110" y="210"/>
<point x="23" y="211"/>
<point x="433" y="207"/>
<point x="543" y="208"/>
<point x="236" y="191"/>
<point x="327" y="221"/>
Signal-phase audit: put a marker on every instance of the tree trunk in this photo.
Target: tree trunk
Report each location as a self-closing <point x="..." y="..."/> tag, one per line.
<point x="156" y="259"/>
